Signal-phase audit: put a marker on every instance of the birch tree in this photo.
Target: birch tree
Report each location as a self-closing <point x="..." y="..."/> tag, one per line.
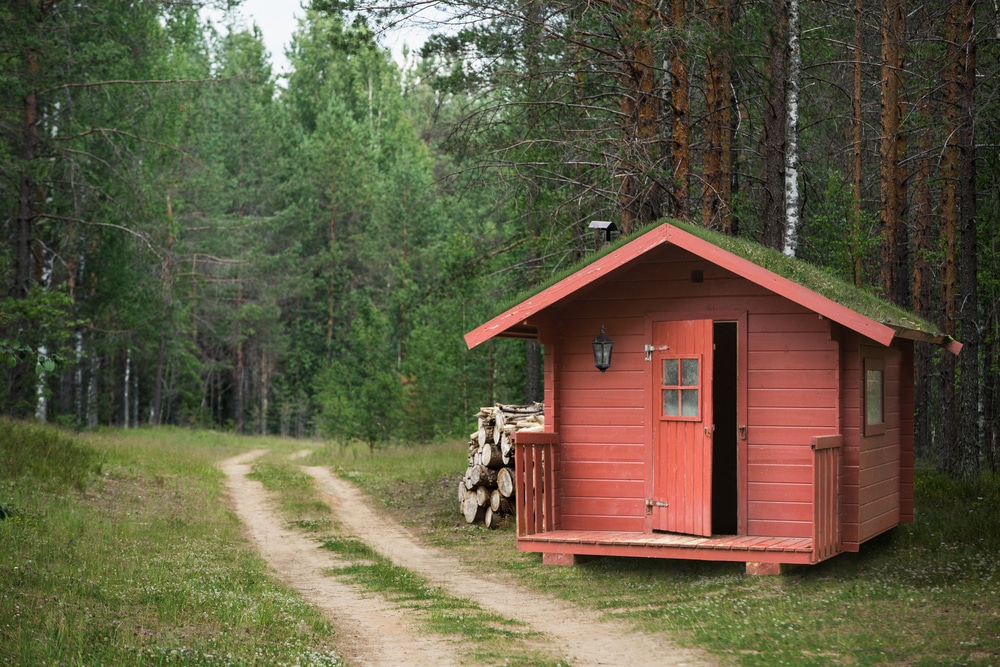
<point x="792" y="130"/>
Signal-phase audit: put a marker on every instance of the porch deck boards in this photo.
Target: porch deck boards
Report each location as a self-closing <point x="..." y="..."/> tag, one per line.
<point x="669" y="545"/>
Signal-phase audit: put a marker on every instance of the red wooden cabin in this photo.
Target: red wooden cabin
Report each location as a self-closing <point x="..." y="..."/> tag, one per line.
<point x="744" y="416"/>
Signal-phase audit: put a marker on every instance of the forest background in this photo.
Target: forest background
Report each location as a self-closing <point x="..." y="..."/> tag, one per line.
<point x="189" y="239"/>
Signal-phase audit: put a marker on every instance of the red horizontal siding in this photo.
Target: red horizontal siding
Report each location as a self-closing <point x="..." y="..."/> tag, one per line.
<point x="581" y="451"/>
<point x="603" y="488"/>
<point x="602" y="470"/>
<point x="793" y="320"/>
<point x="871" y="513"/>
<point x="623" y="507"/>
<point x="879" y="490"/>
<point x="768" y="528"/>
<point x="798" y="436"/>
<point x="817" y="418"/>
<point x="617" y="416"/>
<point x="791" y="474"/>
<point x="791" y="340"/>
<point x="877" y="525"/>
<point x="762" y="378"/>
<point x="583" y="433"/>
<point x="872" y="458"/>
<point x="779" y="492"/>
<point x="590" y="384"/>
<point x="768" y="455"/>
<point x="597" y="398"/>
<point x="792" y="397"/>
<point x="592" y="522"/>
<point x="798" y="360"/>
<point x="779" y="511"/>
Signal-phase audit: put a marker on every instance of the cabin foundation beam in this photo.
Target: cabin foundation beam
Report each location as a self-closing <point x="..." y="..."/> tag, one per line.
<point x="565" y="559"/>
<point x="769" y="569"/>
<point x="558" y="559"/>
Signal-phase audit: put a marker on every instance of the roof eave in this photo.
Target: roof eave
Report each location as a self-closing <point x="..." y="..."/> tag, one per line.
<point x="947" y="342"/>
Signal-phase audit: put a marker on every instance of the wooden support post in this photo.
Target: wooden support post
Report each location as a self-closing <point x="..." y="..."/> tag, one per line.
<point x="565" y="559"/>
<point x="768" y="569"/>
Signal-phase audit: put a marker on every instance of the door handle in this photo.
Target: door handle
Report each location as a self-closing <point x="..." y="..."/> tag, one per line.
<point x="742" y="430"/>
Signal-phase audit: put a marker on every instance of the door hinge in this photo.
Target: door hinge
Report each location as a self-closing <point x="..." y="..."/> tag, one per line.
<point x="652" y="348"/>
<point x="650" y="504"/>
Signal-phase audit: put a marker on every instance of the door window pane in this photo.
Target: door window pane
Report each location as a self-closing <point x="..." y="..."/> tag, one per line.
<point x="690" y="372"/>
<point x="670" y="372"/>
<point x="689" y="403"/>
<point x="670" y="402"/>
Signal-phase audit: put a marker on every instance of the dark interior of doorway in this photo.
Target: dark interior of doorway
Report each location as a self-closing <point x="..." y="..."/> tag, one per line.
<point x="724" y="443"/>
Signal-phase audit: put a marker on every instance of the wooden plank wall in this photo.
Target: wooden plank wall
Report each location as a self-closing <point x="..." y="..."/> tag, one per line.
<point x="872" y="464"/>
<point x="605" y="419"/>
<point x="792" y="397"/>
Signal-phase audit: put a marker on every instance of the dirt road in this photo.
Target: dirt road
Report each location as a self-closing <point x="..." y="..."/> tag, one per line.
<point x="374" y="632"/>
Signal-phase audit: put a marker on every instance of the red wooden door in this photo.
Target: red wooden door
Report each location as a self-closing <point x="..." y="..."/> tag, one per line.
<point x="682" y="438"/>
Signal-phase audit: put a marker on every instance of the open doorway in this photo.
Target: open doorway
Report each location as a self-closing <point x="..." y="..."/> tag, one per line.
<point x="724" y="438"/>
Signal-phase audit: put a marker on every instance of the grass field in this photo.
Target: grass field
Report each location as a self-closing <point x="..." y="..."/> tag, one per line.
<point x="117" y="549"/>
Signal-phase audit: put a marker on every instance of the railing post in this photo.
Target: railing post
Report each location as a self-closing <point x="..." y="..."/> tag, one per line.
<point x="826" y="496"/>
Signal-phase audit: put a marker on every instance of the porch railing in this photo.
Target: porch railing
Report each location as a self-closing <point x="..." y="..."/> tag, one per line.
<point x="534" y="464"/>
<point x="826" y="496"/>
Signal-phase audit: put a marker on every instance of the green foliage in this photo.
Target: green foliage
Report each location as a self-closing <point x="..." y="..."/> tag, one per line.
<point x="358" y="393"/>
<point x="834" y="237"/>
<point x="42" y="322"/>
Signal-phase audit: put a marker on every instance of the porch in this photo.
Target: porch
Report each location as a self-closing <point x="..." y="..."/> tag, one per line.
<point x="536" y="460"/>
<point x="670" y="545"/>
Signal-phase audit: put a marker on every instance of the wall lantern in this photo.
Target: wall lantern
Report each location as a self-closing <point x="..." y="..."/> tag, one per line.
<point x="602" y="351"/>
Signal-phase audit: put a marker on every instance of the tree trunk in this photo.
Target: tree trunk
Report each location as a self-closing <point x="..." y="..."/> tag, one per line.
<point x="969" y="428"/>
<point x="856" y="137"/>
<point x="157" y="404"/>
<point x="894" y="241"/>
<point x="792" y="132"/>
<point x="773" y="148"/>
<point x="717" y="199"/>
<point x="949" y="233"/>
<point x="923" y="278"/>
<point x="638" y="198"/>
<point x="680" y="101"/>
<point x="239" y="369"/>
<point x="23" y="273"/>
<point x="128" y="380"/>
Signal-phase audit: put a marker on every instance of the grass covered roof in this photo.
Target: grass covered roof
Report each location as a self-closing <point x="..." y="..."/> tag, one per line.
<point x="814" y="278"/>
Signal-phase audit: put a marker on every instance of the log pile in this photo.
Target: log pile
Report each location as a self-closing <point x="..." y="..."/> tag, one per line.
<point x="486" y="493"/>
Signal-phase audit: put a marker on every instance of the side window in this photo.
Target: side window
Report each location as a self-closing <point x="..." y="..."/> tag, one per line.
<point x="681" y="389"/>
<point x="873" y="395"/>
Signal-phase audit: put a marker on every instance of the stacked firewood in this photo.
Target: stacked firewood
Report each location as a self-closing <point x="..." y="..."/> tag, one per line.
<point x="486" y="493"/>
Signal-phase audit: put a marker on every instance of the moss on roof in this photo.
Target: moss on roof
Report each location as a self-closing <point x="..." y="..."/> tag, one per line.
<point x="810" y="276"/>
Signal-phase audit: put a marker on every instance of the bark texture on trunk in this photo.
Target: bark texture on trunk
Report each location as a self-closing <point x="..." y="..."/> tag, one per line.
<point x="681" y="111"/>
<point x="773" y="193"/>
<point x="892" y="193"/>
<point x="717" y="199"/>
